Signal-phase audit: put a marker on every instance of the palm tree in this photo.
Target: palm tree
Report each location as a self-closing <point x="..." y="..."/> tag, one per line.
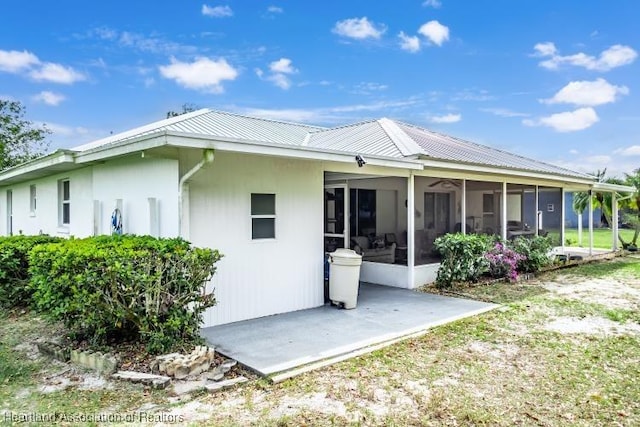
<point x="633" y="203"/>
<point x="599" y="199"/>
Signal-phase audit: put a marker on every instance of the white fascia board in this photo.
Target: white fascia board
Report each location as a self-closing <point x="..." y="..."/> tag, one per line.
<point x="613" y="188"/>
<point x="492" y="170"/>
<point x="54" y="159"/>
<point x="129" y="146"/>
<point x="176" y="139"/>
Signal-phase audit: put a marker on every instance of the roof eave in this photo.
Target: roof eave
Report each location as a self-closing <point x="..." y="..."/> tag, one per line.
<point x="58" y="161"/>
<point x="475" y="167"/>
<point x="613" y="188"/>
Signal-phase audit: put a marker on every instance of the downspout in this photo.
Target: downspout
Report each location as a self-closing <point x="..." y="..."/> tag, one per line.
<point x="207" y="157"/>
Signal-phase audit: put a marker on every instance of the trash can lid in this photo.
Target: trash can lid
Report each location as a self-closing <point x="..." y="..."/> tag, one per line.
<point x="344" y="256"/>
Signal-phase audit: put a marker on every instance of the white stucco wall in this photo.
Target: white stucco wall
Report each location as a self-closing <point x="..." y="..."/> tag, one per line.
<point x="46" y="218"/>
<point x="134" y="180"/>
<point x="260" y="277"/>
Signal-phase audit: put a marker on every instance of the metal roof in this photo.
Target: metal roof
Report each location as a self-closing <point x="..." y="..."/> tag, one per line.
<point x="445" y="147"/>
<point x="216" y="124"/>
<point x="363" y="138"/>
<point x="383" y="137"/>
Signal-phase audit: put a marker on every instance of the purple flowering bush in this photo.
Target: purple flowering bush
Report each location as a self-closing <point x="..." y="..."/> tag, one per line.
<point x="503" y="261"/>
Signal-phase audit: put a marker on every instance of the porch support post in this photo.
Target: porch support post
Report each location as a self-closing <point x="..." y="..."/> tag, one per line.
<point x="590" y="223"/>
<point x="614" y="219"/>
<point x="463" y="208"/>
<point x="411" y="241"/>
<point x="562" y="220"/>
<point x="580" y="229"/>
<point x="537" y="215"/>
<point x="503" y="220"/>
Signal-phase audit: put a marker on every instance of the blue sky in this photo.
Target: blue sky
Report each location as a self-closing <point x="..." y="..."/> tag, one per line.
<point x="557" y="81"/>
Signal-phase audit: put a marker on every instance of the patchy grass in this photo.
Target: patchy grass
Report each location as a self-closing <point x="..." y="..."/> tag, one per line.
<point x="505" y="367"/>
<point x="602" y="237"/>
<point x="621" y="267"/>
<point x="32" y="384"/>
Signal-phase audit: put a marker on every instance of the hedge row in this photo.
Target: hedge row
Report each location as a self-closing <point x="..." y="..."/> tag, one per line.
<point x="114" y="287"/>
<point x="14" y="264"/>
<point x="466" y="258"/>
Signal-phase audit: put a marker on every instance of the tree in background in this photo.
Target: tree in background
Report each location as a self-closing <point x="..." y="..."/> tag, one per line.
<point x="20" y="139"/>
<point x="603" y="201"/>
<point x="632" y="206"/>
<point x="186" y="108"/>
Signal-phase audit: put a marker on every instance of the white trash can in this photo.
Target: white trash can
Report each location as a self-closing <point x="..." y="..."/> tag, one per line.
<point x="344" y="277"/>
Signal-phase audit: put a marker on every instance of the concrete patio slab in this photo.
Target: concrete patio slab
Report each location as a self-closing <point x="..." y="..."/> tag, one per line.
<point x="282" y="342"/>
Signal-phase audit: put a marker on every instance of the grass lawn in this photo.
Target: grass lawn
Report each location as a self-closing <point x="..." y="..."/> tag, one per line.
<point x="602" y="237"/>
<point x="564" y="349"/>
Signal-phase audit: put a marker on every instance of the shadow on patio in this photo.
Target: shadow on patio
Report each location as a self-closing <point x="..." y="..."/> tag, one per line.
<point x="282" y="342"/>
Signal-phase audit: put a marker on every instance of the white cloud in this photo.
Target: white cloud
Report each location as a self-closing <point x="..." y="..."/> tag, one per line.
<point x="409" y="43"/>
<point x="336" y="114"/>
<point x="367" y="88"/>
<point x="282" y="65"/>
<point x="588" y="93"/>
<point x="140" y="42"/>
<point x="279" y="72"/>
<point x="446" y="118"/>
<point x="435" y="32"/>
<point x="432" y="3"/>
<point x="598" y="159"/>
<point x="203" y="74"/>
<point x="473" y="95"/>
<point x="504" y="112"/>
<point x="280" y="80"/>
<point x="573" y="151"/>
<point x="613" y="57"/>
<point x="545" y="49"/>
<point x="358" y="28"/>
<point x="275" y="9"/>
<point x="56" y="73"/>
<point x="66" y="131"/>
<point x="49" y="98"/>
<point x="13" y="61"/>
<point x="633" y="150"/>
<point x="569" y="121"/>
<point x="216" y="11"/>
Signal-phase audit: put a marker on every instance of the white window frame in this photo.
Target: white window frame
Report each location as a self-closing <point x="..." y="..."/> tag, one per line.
<point x="33" y="200"/>
<point x="62" y="202"/>
<point x="269" y="216"/>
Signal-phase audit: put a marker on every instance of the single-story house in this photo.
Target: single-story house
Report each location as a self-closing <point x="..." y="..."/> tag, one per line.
<point x="274" y="197"/>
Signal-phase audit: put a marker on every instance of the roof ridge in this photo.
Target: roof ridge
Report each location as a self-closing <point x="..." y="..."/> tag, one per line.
<point x="406" y="144"/>
<point x="343" y="126"/>
<point x="141" y="129"/>
<point x="476" y="144"/>
<point x="286" y="122"/>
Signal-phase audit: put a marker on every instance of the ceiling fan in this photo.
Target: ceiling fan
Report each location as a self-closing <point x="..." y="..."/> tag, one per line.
<point x="446" y="183"/>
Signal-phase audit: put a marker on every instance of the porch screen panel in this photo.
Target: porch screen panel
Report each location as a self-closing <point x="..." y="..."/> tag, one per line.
<point x="362" y="213"/>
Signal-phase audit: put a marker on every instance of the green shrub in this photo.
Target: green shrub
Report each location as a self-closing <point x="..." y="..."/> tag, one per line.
<point x="535" y="251"/>
<point x="463" y="257"/>
<point x="14" y="268"/>
<point x="503" y="261"/>
<point x="114" y="287"/>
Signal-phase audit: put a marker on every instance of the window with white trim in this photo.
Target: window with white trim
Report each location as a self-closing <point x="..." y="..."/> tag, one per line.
<point x="64" y="202"/>
<point x="550" y="207"/>
<point x="32" y="200"/>
<point x="263" y="216"/>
